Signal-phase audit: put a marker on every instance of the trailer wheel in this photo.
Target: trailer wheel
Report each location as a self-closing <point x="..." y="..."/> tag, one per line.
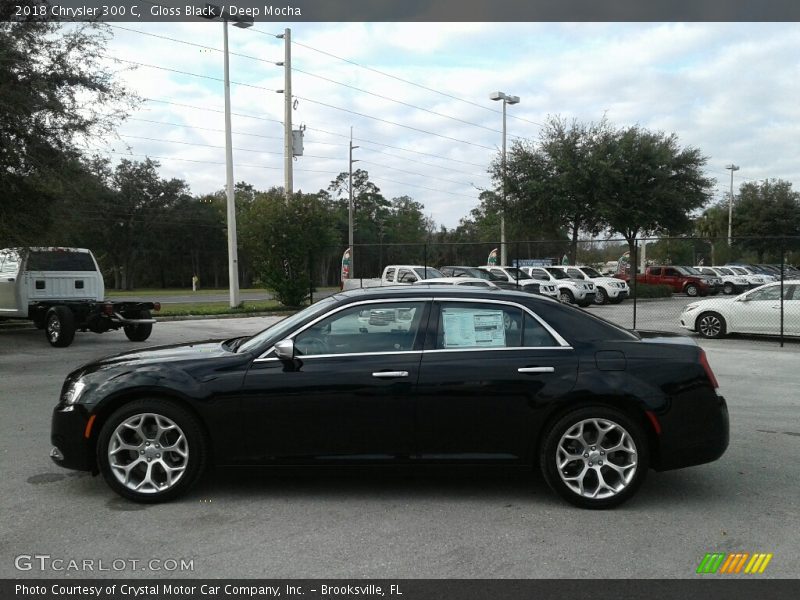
<point x="139" y="333"/>
<point x="60" y="326"/>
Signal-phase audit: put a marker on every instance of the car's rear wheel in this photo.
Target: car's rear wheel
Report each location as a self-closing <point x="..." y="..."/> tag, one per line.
<point x="140" y="332"/>
<point x="711" y="325"/>
<point x="60" y="326"/>
<point x="151" y="450"/>
<point x="595" y="457"/>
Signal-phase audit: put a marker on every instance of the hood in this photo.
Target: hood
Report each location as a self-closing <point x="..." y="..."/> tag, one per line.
<point x="192" y="351"/>
<point x="713" y="302"/>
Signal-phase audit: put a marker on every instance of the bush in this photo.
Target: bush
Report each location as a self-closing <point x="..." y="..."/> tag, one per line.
<point x="646" y="290"/>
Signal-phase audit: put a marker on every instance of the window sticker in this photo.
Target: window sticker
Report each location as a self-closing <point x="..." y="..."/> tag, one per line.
<point x="473" y="328"/>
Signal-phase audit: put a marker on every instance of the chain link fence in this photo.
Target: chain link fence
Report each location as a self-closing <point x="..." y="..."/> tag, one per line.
<point x="712" y="287"/>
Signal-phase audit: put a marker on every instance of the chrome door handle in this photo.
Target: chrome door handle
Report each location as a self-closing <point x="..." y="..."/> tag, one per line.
<point x="536" y="370"/>
<point x="390" y="374"/>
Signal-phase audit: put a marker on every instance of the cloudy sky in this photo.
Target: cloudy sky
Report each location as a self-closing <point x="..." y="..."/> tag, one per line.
<point x="417" y="98"/>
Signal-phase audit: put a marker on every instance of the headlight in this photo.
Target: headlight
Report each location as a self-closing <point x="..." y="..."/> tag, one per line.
<point x="73" y="393"/>
<point x="690" y="307"/>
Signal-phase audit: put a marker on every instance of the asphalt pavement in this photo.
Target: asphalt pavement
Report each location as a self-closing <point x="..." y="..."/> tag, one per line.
<point x="439" y="523"/>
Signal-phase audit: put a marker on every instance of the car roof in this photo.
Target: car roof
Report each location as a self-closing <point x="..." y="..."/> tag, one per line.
<point x="454" y="291"/>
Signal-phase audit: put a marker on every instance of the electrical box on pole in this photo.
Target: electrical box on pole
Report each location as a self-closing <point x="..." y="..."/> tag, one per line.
<point x="297" y="142"/>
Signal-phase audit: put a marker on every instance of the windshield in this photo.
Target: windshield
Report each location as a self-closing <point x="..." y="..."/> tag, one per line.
<point x="515" y="273"/>
<point x="591" y="272"/>
<point x="739" y="271"/>
<point x="558" y="274"/>
<point x="431" y="272"/>
<point x="723" y="271"/>
<point x="689" y="270"/>
<point x="281" y="328"/>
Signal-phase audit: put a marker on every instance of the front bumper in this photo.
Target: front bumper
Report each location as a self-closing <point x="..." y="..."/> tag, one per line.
<point x="71" y="449"/>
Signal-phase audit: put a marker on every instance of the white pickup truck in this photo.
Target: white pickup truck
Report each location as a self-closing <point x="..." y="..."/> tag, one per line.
<point x="394" y="275"/>
<point x="62" y="291"/>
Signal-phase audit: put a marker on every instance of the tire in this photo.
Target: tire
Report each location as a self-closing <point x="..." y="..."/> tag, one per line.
<point x="139" y="333"/>
<point x="575" y="480"/>
<point x="144" y="426"/>
<point x="600" y="296"/>
<point x="711" y="325"/>
<point x="728" y="289"/>
<point x="566" y="297"/>
<point x="59" y="326"/>
<point x="691" y="290"/>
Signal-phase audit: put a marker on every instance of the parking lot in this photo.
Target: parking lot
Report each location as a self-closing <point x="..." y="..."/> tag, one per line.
<point x="405" y="523"/>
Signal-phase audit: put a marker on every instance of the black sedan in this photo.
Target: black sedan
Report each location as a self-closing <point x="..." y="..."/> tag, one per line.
<point x="402" y="375"/>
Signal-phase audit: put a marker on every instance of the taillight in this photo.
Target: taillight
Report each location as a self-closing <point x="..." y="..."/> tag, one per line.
<point x="707" y="369"/>
<point x="156" y="306"/>
<point x="108" y="309"/>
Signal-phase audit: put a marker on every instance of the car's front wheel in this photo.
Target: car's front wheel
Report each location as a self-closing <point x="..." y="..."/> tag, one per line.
<point x="711" y="325"/>
<point x="728" y="289"/>
<point x="595" y="457"/>
<point x="151" y="450"/>
<point x="600" y="296"/>
<point x="566" y="297"/>
<point x="691" y="290"/>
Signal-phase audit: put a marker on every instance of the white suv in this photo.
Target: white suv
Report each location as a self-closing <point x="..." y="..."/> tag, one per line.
<point x="570" y="291"/>
<point x="732" y="283"/>
<point x="607" y="289"/>
<point x="525" y="281"/>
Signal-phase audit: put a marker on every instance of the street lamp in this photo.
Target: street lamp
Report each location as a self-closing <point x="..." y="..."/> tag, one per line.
<point x="731" y="167"/>
<point x="506" y="100"/>
<point x="215" y="12"/>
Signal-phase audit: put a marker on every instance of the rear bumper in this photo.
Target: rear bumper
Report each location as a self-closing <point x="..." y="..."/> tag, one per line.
<point x="708" y="440"/>
<point x="67" y="430"/>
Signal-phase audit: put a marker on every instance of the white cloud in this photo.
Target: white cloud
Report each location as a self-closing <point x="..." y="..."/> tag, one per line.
<point x="729" y="89"/>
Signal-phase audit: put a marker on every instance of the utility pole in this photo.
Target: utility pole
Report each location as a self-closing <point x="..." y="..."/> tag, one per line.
<point x="731" y="167"/>
<point x="287" y="112"/>
<point x="350" y="206"/>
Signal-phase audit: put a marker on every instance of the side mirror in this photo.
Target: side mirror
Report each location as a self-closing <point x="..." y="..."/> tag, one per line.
<point x="284" y="349"/>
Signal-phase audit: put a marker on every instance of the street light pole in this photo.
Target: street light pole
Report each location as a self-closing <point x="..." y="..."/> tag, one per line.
<point x="233" y="258"/>
<point x="216" y="12"/>
<point x="506" y="100"/>
<point x="731" y="167"/>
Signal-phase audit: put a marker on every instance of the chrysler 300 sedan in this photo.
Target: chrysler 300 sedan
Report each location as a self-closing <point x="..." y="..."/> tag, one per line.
<point x="405" y="375"/>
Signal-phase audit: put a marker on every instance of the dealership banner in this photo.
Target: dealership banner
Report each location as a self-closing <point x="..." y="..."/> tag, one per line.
<point x="397" y="589"/>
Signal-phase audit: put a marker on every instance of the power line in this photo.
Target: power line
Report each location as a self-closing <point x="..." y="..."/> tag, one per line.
<point x="215" y="110"/>
<point x="379" y="179"/>
<point x="256" y="135"/>
<point x="366" y="162"/>
<point x="138" y="137"/>
<point x="419" y="85"/>
<point x="298" y="70"/>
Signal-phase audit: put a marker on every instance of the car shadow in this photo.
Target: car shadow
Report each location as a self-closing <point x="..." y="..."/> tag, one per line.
<point x="511" y="484"/>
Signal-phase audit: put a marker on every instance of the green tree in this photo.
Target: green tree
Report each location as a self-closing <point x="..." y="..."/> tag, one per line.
<point x="56" y="92"/>
<point x="648" y="184"/>
<point x="284" y="238"/>
<point x="767" y="211"/>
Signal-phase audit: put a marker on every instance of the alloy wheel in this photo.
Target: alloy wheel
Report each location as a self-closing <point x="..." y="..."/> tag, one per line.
<point x="709" y="325"/>
<point x="148" y="453"/>
<point x="596" y="458"/>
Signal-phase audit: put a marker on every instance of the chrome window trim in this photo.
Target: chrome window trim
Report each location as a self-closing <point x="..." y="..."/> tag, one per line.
<point x="563" y="344"/>
<point x="266" y="354"/>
